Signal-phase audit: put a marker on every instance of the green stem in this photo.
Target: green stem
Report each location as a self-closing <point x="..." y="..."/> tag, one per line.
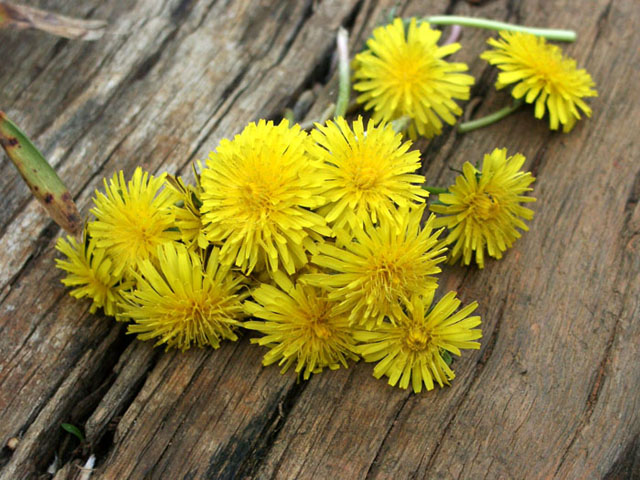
<point x="551" y="34"/>
<point x="344" y="74"/>
<point x="41" y="178"/>
<point x="435" y="190"/>
<point x="489" y="119"/>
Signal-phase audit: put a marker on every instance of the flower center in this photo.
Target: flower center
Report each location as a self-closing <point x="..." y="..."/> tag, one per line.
<point x="320" y="313"/>
<point x="258" y="193"/>
<point x="140" y="233"/>
<point x="365" y="178"/>
<point x="410" y="70"/>
<point x="388" y="275"/>
<point x="417" y="339"/>
<point x="364" y="170"/>
<point x="548" y="67"/>
<point x="485" y="206"/>
<point x="320" y="330"/>
<point x="196" y="313"/>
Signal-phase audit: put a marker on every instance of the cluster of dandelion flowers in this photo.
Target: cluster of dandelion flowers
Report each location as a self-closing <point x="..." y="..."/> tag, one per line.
<point x="380" y="265"/>
<point x="90" y="274"/>
<point x="301" y="327"/>
<point x="368" y="173"/>
<point x="540" y="73"/>
<point x="173" y="259"/>
<point x="259" y="191"/>
<point x="132" y="219"/>
<point x="406" y="76"/>
<point x="410" y="352"/>
<point x="483" y="209"/>
<point x="180" y="302"/>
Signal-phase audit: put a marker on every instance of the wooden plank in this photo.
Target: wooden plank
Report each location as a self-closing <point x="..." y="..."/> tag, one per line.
<point x="552" y="392"/>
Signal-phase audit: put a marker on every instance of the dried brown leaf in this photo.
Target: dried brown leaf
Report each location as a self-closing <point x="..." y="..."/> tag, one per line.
<point x="22" y="17"/>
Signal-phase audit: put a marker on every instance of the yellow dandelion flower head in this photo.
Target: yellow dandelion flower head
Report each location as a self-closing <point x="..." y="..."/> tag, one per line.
<point x="186" y="211"/>
<point x="368" y="173"/>
<point x="301" y="327"/>
<point x="483" y="209"/>
<point x="132" y="218"/>
<point x="410" y="352"/>
<point x="258" y="192"/>
<point x="542" y="74"/>
<point x="91" y="274"/>
<point x="406" y="76"/>
<point x="380" y="266"/>
<point x="182" y="302"/>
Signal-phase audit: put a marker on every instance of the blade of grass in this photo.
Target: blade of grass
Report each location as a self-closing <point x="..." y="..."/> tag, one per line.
<point x="41" y="178"/>
<point x="73" y="430"/>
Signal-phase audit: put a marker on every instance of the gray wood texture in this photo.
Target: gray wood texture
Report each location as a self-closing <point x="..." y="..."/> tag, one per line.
<point x="553" y="393"/>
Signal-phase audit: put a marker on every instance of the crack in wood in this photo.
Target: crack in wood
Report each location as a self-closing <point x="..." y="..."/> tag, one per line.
<point x="307" y="13"/>
<point x="538" y="159"/>
<point x="182" y="11"/>
<point x="600" y="373"/>
<point x="513" y="10"/>
<point x="187" y="412"/>
<point x="40" y="245"/>
<point x="234" y="90"/>
<point x="480" y="365"/>
<point x="594" y="394"/>
<point x="265" y="440"/>
<point x="451" y="7"/>
<point x="56" y="49"/>
<point x="601" y="25"/>
<point x="371" y="471"/>
<point x="38" y="443"/>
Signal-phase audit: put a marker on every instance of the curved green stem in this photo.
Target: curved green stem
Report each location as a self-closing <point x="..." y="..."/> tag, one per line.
<point x="435" y="190"/>
<point x="551" y="34"/>
<point x="489" y="119"/>
<point x="344" y="75"/>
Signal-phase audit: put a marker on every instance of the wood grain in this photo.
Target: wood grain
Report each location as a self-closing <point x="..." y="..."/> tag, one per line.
<point x="553" y="393"/>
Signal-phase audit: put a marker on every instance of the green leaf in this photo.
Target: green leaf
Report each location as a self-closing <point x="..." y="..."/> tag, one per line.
<point x="446" y="357"/>
<point x="73" y="430"/>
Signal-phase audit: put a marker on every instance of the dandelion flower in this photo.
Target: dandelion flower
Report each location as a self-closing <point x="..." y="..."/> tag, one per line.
<point x="301" y="327"/>
<point x="91" y="273"/>
<point x="405" y="76"/>
<point x="541" y="74"/>
<point x="132" y="218"/>
<point x="411" y="351"/>
<point x="382" y="265"/>
<point x="187" y="213"/>
<point x="483" y="209"/>
<point x="258" y="193"/>
<point x="368" y="173"/>
<point x="181" y="302"/>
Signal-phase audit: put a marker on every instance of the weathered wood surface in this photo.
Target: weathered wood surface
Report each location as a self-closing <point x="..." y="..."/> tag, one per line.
<point x="553" y="393"/>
